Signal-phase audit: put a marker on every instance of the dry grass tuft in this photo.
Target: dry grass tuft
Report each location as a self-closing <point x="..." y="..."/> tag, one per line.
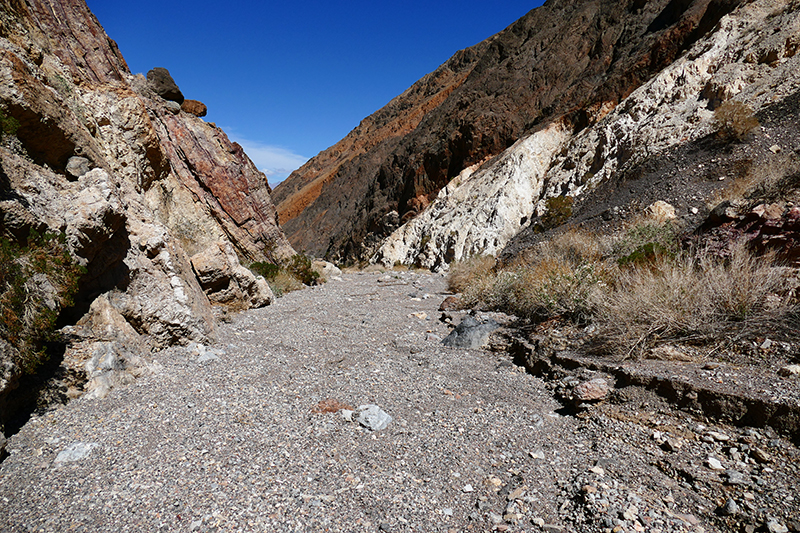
<point x="464" y="274"/>
<point x="694" y="300"/>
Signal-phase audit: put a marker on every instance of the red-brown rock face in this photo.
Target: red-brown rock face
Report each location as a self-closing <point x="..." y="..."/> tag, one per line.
<point x="558" y="60"/>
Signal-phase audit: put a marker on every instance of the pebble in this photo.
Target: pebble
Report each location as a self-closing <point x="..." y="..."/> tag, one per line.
<point x="373" y="417"/>
<point x="714" y="464"/>
<point x="731" y="508"/>
<point x="789" y="371"/>
<point x="735" y="478"/>
<point x="773" y="526"/>
<point x="75" y="452"/>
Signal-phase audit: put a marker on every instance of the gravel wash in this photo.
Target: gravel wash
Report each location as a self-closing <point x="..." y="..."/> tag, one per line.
<point x="240" y="436"/>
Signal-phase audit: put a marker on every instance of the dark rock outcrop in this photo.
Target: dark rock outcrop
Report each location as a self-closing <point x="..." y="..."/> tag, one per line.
<point x="557" y="61"/>
<point x="164" y="86"/>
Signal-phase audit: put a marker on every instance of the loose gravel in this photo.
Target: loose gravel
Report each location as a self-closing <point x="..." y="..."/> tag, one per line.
<point x="260" y="433"/>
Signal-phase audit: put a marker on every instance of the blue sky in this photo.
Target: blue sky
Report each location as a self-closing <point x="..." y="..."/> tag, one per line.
<point x="289" y="79"/>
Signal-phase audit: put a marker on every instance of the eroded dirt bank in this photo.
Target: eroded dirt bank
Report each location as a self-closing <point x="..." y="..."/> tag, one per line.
<point x="226" y="438"/>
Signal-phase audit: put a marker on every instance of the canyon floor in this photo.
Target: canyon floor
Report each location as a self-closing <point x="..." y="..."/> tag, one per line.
<point x="246" y="436"/>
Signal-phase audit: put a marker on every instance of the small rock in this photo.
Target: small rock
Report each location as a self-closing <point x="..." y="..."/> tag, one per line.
<point x="75" y="452"/>
<point x="775" y="149"/>
<point x="714" y="464"/>
<point x="373" y="417"/>
<point x="597" y="470"/>
<point x="421" y="315"/>
<point x="552" y="528"/>
<point x="788" y="371"/>
<point x="731" y="508"/>
<point x="767" y="344"/>
<point x="735" y="478"/>
<point x="773" y="526"/>
<point x="671" y="445"/>
<point x="384" y="527"/>
<point x="632" y="513"/>
<point x="661" y="211"/>
<point x="594" y="390"/>
<point x="537" y="521"/>
<point x="447" y="511"/>
<point x="468" y="488"/>
<point x="711" y="366"/>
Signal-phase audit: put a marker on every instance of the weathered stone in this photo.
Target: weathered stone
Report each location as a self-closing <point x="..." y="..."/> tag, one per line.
<point x="789" y="370"/>
<point x="194" y="107"/>
<point x="163" y="85"/>
<point x="590" y="391"/>
<point x="226" y="281"/>
<point x="74" y="452"/>
<point x="77" y="166"/>
<point x="373" y="417"/>
<point x="470" y="334"/>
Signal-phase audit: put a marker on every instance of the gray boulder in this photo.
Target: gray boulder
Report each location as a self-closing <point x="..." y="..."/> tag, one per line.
<point x="164" y="86"/>
<point x="470" y="334"/>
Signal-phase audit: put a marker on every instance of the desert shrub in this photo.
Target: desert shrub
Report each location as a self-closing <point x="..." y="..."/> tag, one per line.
<point x="557" y="278"/>
<point x="734" y="120"/>
<point x="299" y="265"/>
<point x="268" y="270"/>
<point x="645" y="239"/>
<point x="559" y="209"/>
<point x="288" y="275"/>
<point x="284" y="282"/>
<point x="468" y="272"/>
<point x="36" y="282"/>
<point x="8" y="125"/>
<point x="696" y="299"/>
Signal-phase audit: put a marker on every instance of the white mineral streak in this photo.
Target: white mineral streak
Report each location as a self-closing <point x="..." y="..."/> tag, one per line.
<point x="478" y="212"/>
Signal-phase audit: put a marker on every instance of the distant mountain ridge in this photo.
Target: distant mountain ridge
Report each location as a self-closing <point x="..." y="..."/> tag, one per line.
<point x="568" y="61"/>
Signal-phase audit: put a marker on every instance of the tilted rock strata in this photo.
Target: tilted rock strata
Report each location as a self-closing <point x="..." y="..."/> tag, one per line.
<point x="136" y="185"/>
<point x="674" y="107"/>
<point x="554" y="63"/>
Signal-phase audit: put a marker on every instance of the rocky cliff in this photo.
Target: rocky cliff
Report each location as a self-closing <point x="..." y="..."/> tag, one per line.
<point x="560" y="68"/>
<point x="749" y="57"/>
<point x="157" y="206"/>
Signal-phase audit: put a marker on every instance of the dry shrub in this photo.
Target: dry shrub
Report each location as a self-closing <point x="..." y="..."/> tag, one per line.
<point x="734" y="120"/>
<point x="468" y="272"/>
<point x="769" y="179"/>
<point x="283" y="282"/>
<point x="696" y="300"/>
<point x="557" y="278"/>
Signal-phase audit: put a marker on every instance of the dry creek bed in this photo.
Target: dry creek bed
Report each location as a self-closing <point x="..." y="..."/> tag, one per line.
<point x="234" y="437"/>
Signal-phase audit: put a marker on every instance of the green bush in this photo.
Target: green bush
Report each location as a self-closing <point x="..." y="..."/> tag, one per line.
<point x="36" y="282"/>
<point x="8" y="125"/>
<point x="287" y="275"/>
<point x="559" y="209"/>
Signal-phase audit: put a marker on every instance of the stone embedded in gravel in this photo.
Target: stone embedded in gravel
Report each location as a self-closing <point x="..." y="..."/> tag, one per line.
<point x="788" y="371"/>
<point x="735" y="478"/>
<point x="373" y="417"/>
<point x="714" y="464"/>
<point x="773" y="526"/>
<point x="760" y="455"/>
<point x="75" y="452"/>
<point x="594" y="390"/>
<point x="470" y="334"/>
<point x="731" y="508"/>
<point x="717" y="436"/>
<point x="671" y="445"/>
<point x="468" y="488"/>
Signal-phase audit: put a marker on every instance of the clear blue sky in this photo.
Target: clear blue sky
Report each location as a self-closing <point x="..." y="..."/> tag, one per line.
<point x="289" y="79"/>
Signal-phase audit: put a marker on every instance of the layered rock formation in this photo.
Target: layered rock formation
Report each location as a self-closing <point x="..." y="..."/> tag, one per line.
<point x="137" y="186"/>
<point x="480" y="212"/>
<point x="565" y="62"/>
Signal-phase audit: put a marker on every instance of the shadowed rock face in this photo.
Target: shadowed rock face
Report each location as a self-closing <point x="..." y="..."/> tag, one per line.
<point x="136" y="185"/>
<point x="557" y="61"/>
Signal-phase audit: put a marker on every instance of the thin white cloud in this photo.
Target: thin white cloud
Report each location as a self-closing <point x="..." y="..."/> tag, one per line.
<point x="276" y="162"/>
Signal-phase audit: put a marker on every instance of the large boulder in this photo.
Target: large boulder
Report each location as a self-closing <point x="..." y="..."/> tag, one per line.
<point x="226" y="281"/>
<point x="164" y="86"/>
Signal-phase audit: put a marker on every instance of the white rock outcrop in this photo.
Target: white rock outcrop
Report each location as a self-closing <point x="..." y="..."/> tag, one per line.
<point x="480" y="210"/>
